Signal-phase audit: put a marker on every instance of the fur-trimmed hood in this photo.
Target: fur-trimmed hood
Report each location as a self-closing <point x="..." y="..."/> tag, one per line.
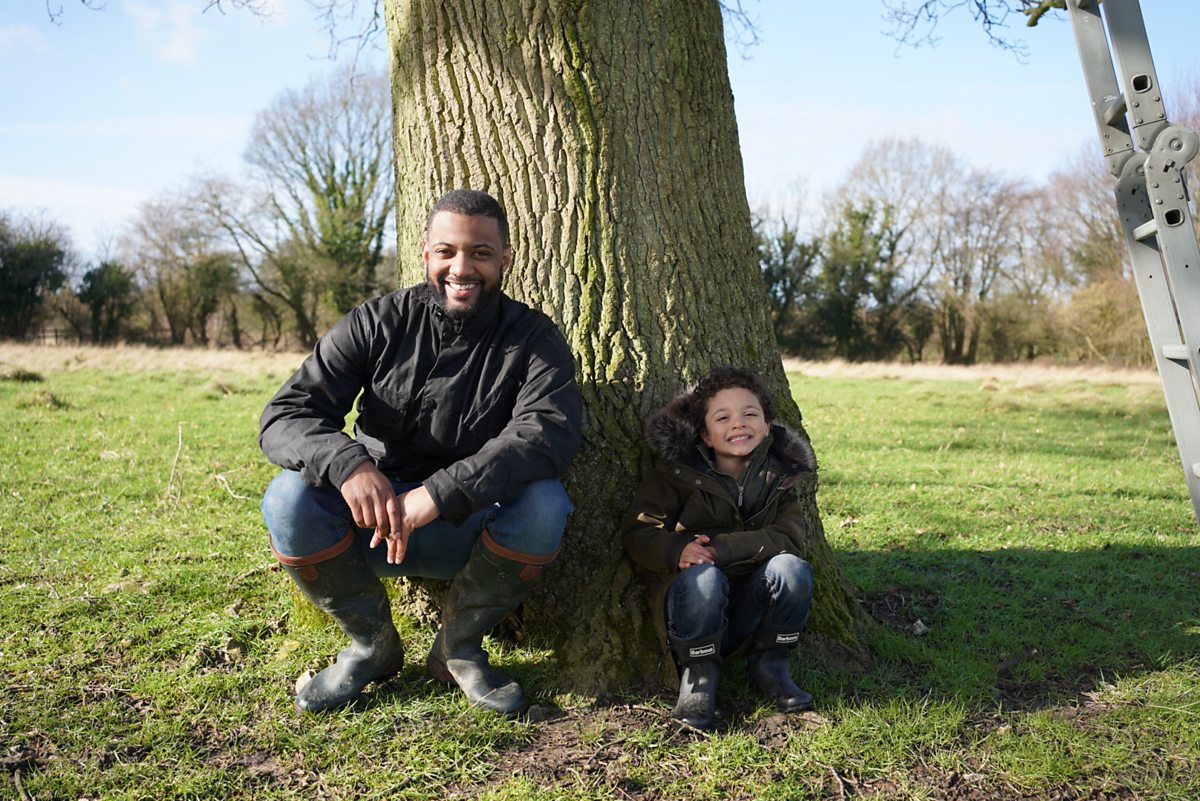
<point x="673" y="437"/>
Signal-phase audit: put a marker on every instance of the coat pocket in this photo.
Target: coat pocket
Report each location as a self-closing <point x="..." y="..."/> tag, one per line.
<point x="382" y="412"/>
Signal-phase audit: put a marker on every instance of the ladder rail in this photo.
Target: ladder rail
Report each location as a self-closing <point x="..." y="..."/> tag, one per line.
<point x="1152" y="203"/>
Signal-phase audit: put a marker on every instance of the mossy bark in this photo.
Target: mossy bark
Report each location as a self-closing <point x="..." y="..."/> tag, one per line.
<point x="608" y="132"/>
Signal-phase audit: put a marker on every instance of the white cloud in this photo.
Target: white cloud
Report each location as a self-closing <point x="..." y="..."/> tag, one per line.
<point x="172" y="30"/>
<point x="16" y="39"/>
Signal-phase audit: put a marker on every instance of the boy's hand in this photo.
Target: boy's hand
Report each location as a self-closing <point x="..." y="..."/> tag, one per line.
<point x="697" y="552"/>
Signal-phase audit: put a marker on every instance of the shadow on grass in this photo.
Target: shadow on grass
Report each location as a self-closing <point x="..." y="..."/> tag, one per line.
<point x="1023" y="628"/>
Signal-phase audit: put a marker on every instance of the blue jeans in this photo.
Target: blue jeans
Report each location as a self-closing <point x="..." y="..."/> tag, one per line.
<point x="305" y="520"/>
<point x="702" y="599"/>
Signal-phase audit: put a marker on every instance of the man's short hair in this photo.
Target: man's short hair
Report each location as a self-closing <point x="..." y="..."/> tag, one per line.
<point x="471" y="202"/>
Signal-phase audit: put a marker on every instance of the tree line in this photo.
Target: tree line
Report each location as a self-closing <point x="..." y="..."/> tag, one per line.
<point x="916" y="256"/>
<point x="268" y="259"/>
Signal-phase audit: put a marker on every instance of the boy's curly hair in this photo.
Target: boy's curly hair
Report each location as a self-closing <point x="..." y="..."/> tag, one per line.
<point x="727" y="378"/>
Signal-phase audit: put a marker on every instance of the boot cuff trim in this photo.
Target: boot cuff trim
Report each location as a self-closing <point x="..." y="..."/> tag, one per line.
<point x="337" y="549"/>
<point x="536" y="560"/>
<point x="697" y="650"/>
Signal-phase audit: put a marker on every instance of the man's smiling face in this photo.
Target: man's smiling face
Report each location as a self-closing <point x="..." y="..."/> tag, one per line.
<point x="465" y="258"/>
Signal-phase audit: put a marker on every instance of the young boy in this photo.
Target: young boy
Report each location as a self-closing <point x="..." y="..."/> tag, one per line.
<point x="719" y="529"/>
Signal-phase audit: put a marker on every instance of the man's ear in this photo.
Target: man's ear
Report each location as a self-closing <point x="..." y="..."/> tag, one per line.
<point x="506" y="257"/>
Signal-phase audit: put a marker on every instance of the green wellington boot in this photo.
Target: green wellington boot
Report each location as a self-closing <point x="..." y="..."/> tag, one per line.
<point x="344" y="586"/>
<point x="494" y="582"/>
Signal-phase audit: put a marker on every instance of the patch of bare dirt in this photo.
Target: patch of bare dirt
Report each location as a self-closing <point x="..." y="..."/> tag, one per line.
<point x="600" y="749"/>
<point x="903" y="608"/>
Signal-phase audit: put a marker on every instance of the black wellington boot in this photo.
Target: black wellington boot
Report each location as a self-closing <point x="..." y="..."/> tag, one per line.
<point x="493" y="583"/>
<point x="699" y="663"/>
<point x="770" y="669"/>
<point x="340" y="582"/>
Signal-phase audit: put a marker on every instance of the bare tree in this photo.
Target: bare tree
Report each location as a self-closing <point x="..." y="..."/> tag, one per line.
<point x="1103" y="318"/>
<point x="309" y="223"/>
<point x="912" y="180"/>
<point x="1082" y="204"/>
<point x="177" y="253"/>
<point x="977" y="240"/>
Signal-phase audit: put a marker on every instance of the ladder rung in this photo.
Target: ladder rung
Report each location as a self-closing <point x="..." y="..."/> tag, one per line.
<point x="1115" y="110"/>
<point x="1145" y="230"/>
<point x="1177" y="353"/>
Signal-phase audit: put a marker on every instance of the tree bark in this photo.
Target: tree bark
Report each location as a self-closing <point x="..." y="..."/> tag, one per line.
<point x="607" y="130"/>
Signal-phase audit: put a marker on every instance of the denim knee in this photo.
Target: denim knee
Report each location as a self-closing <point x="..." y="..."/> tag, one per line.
<point x="696" y="602"/>
<point x="787" y="573"/>
<point x="532" y="522"/>
<point x="790" y="584"/>
<point x="303" y="520"/>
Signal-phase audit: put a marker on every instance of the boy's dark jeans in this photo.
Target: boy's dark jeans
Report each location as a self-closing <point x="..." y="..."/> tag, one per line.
<point x="702" y="598"/>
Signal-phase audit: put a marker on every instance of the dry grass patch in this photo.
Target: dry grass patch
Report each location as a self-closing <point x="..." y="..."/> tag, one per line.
<point x="21" y="359"/>
<point x="1021" y="374"/>
<point x="16" y="357"/>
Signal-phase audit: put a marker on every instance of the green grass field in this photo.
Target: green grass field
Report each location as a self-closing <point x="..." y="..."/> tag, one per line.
<point x="1039" y="531"/>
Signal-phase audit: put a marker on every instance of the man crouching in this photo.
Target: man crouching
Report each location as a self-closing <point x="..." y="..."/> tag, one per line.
<point x="468" y="416"/>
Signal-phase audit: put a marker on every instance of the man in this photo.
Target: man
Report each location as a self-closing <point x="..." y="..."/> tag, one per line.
<point x="468" y="415"/>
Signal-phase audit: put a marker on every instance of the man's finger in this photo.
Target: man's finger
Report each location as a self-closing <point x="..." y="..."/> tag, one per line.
<point x="364" y="516"/>
<point x="397" y="545"/>
<point x="382" y="521"/>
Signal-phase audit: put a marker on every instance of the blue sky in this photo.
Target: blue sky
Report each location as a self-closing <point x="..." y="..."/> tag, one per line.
<point x="108" y="109"/>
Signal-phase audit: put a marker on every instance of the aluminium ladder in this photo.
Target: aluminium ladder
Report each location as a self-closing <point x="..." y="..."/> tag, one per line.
<point x="1147" y="154"/>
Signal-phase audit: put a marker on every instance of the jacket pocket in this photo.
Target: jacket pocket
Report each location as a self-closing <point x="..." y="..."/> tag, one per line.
<point x="382" y="412"/>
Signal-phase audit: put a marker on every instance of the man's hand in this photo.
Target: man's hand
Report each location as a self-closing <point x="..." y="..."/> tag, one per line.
<point x="372" y="501"/>
<point x="697" y="552"/>
<point x="416" y="509"/>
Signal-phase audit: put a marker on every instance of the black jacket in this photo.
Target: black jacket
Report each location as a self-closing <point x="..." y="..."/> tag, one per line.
<point x="474" y="409"/>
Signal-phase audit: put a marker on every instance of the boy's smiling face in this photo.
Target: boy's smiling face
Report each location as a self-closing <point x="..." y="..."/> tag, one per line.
<point x="734" y="424"/>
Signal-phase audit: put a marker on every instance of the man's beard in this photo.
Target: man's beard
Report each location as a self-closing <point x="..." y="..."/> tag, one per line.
<point x="487" y="296"/>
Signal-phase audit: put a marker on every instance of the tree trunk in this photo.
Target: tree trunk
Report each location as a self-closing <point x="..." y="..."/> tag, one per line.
<point x="607" y="131"/>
